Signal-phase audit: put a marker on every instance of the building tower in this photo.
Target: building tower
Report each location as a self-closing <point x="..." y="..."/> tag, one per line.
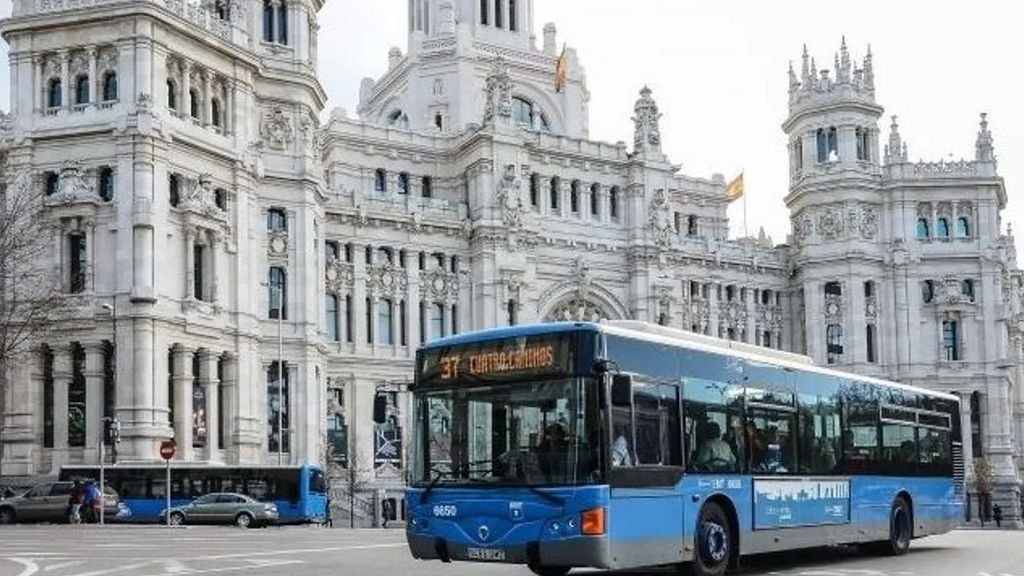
<point x="834" y="199"/>
<point x="165" y="136"/>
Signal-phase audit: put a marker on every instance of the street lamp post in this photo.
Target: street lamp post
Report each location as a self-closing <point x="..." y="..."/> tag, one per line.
<point x="112" y="308"/>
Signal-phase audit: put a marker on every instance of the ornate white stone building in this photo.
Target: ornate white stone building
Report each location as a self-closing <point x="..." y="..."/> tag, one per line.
<point x="191" y="188"/>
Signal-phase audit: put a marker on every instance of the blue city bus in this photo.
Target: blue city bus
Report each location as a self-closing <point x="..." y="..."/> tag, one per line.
<point x="624" y="445"/>
<point x="300" y="492"/>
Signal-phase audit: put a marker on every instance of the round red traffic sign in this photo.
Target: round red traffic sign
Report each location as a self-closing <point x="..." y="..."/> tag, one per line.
<point x="167" y="448"/>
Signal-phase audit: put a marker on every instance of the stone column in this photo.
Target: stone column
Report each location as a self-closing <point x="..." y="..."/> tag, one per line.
<point x="94" y="399"/>
<point x="186" y="89"/>
<point x="207" y="98"/>
<point x="65" y="79"/>
<point x="210" y="382"/>
<point x="183" y="400"/>
<point x="229" y="384"/>
<point x="713" y="288"/>
<point x="968" y="445"/>
<point x="190" y="241"/>
<point x="359" y="294"/>
<point x="61" y="381"/>
<point x="750" y="302"/>
<point x="229" y="107"/>
<point x="39" y="94"/>
<point x="216" y="243"/>
<point x="94" y="82"/>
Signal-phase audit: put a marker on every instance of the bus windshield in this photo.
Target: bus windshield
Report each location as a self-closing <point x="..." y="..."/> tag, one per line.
<point x="537" y="433"/>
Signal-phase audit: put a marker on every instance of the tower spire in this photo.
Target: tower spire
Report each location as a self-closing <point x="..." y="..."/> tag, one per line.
<point x="984" y="148"/>
<point x="896" y="150"/>
<point x="805" y="75"/>
<point x="869" y="70"/>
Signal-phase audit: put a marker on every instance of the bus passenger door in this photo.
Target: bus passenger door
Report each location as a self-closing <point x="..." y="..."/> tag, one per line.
<point x="646" y="511"/>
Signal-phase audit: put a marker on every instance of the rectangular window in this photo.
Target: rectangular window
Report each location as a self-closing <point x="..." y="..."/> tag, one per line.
<point x="423" y="322"/>
<point x="714" y="427"/>
<point x="78" y="263"/>
<point x="385" y="314"/>
<point x="499" y="18"/>
<point x="278" y="292"/>
<point x="951" y="340"/>
<point x="331" y="318"/>
<point x="513" y="17"/>
<point x="369" y="321"/>
<point x="834" y="342"/>
<point x="76" y="399"/>
<point x="428" y="186"/>
<point x="403" y="330"/>
<point x="870" y="337"/>
<point x="656" y="413"/>
<point x="198" y="267"/>
<point x="819" y="417"/>
<point x="278" y="408"/>
<point x="109" y="383"/>
<point x="48" y="397"/>
<point x="349" y="336"/>
<point x="555" y="189"/>
<point x="483" y="12"/>
<point x="436" y="320"/>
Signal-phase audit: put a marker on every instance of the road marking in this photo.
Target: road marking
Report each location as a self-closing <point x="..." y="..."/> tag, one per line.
<point x="234" y="568"/>
<point x="174" y="566"/>
<point x="63" y="565"/>
<point x="113" y="570"/>
<point x="30" y="566"/>
<point x="303" y="551"/>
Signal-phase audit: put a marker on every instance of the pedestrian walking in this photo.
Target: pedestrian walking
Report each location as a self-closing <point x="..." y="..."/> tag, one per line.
<point x="328" y="520"/>
<point x="90" y="499"/>
<point x="386" y="511"/>
<point x="75" y="501"/>
<point x="997" y="515"/>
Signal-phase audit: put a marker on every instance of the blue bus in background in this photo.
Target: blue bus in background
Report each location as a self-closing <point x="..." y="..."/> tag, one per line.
<point x="300" y="492"/>
<point x="624" y="445"/>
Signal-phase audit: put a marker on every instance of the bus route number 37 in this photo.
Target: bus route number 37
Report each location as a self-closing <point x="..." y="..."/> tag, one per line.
<point x="445" y="511"/>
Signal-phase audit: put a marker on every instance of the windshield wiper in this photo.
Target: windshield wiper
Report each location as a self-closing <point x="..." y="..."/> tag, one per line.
<point x="547" y="496"/>
<point x="440" y="474"/>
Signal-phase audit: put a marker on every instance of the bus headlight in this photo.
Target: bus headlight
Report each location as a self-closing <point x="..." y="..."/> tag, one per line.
<point x="592" y="522"/>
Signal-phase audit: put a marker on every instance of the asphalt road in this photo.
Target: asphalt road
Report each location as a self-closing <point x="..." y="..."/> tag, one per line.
<point x="155" y="551"/>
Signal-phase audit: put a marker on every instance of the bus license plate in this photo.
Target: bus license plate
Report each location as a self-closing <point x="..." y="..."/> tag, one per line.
<point x="486" y="554"/>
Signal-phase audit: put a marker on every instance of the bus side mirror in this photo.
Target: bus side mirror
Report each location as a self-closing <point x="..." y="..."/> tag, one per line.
<point x="622" y="391"/>
<point x="380" y="409"/>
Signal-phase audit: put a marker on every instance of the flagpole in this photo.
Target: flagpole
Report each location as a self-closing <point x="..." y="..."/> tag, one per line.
<point x="746" y="232"/>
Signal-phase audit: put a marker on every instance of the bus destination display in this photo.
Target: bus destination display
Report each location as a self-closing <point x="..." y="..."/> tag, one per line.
<point x="496" y="361"/>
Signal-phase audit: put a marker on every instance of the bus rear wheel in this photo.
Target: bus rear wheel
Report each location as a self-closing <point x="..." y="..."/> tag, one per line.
<point x="714" y="542"/>
<point x="901" y="531"/>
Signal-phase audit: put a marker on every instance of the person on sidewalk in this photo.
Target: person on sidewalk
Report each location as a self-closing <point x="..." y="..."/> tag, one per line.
<point x="90" y="500"/>
<point x="328" y="520"/>
<point x="75" y="503"/>
<point x="997" y="515"/>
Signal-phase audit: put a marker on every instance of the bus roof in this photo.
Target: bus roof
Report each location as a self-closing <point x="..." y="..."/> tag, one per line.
<point x="673" y="337"/>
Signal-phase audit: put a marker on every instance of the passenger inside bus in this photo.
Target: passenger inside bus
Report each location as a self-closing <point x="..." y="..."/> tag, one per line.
<point x="715" y="454"/>
<point x="620" y="448"/>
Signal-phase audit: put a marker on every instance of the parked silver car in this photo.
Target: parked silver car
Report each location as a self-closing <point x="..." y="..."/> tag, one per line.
<point x="236" y="509"/>
<point x="48" y="502"/>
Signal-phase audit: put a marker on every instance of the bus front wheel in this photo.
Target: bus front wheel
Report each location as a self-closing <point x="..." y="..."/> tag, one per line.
<point x="549" y="571"/>
<point x="714" y="542"/>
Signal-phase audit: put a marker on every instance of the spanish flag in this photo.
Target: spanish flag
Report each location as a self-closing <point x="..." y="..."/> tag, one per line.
<point x="561" y="71"/>
<point x="734" y="191"/>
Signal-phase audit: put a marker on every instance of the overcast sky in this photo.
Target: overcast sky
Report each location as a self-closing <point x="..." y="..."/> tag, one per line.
<point x="718" y="71"/>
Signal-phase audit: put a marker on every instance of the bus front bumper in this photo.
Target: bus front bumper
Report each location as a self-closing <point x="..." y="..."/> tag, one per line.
<point x="576" y="552"/>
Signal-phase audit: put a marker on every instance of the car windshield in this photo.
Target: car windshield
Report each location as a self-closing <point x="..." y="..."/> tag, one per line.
<point x="522" y="434"/>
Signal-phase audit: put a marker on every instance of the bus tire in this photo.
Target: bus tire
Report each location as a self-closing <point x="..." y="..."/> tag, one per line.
<point x="7" y="515"/>
<point x="713" y="542"/>
<point x="901" y="526"/>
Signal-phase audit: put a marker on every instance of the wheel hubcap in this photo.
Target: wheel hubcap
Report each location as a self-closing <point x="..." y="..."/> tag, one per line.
<point x="715" y="547"/>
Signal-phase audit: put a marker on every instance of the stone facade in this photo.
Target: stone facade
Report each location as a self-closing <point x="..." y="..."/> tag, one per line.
<point x="465" y="194"/>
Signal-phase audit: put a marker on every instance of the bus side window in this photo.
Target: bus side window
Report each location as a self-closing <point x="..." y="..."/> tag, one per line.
<point x="714" y="442"/>
<point x="819" y="448"/>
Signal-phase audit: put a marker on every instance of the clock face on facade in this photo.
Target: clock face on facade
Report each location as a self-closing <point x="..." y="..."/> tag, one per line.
<point x="332" y="274"/>
<point x="438" y="284"/>
<point x="277" y="245"/>
<point x="832" y="308"/>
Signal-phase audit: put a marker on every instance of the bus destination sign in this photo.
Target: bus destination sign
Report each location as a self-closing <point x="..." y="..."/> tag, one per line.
<point x="500" y="360"/>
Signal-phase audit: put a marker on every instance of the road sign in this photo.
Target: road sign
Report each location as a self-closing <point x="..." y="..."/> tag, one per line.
<point x="167" y="448"/>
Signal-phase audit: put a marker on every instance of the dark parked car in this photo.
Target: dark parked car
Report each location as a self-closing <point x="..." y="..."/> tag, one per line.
<point x="49" y="503"/>
<point x="236" y="509"/>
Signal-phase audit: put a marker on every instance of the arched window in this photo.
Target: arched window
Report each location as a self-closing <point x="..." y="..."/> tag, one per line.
<point x="833" y="145"/>
<point x="282" y="22"/>
<point x="52" y="183"/>
<point x="268" y="21"/>
<point x="963" y="227"/>
<point x="278" y="283"/>
<point x="215" y="112"/>
<point x="574" y="196"/>
<point x="528" y="115"/>
<point x="822" y="143"/>
<point x="174" y="189"/>
<point x="110" y="86"/>
<point x="82" y="90"/>
<point x="403" y="183"/>
<point x="923" y="230"/>
<point x="193" y="97"/>
<point x="380" y="180"/>
<point x="331" y="318"/>
<point x="220" y="198"/>
<point x="556" y="186"/>
<point x="513" y="20"/>
<point x="613" y="202"/>
<point x="54" y="94"/>
<point x="398" y="119"/>
<point x="798" y="154"/>
<point x="172" y="95"/>
<point x="106" y="182"/>
<point x="967" y="287"/>
<point x="277" y="220"/>
<point x="863" y="144"/>
<point x="942" y="228"/>
<point x="595" y="199"/>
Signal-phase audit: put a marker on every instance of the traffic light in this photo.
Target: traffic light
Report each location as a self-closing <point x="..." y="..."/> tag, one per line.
<point x="111" y="431"/>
